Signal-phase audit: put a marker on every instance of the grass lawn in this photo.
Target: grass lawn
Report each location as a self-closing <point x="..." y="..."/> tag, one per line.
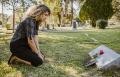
<point x="66" y="53"/>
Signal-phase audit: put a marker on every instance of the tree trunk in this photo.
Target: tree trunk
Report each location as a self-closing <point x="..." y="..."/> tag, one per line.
<point x="59" y="18"/>
<point x="93" y="23"/>
<point x="13" y="18"/>
<point x="71" y="11"/>
<point x="2" y="15"/>
<point x="66" y="7"/>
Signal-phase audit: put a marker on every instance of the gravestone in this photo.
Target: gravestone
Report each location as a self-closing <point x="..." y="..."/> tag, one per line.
<point x="74" y="25"/>
<point x="105" y="57"/>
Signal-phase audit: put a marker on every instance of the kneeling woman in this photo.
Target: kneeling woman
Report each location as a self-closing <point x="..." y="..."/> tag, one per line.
<point x="24" y="44"/>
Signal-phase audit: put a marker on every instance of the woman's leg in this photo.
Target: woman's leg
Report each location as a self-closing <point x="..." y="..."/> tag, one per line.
<point x="13" y="58"/>
<point x="22" y="51"/>
<point x="29" y="57"/>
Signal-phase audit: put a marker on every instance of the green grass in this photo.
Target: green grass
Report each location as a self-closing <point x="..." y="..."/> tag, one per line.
<point x="66" y="54"/>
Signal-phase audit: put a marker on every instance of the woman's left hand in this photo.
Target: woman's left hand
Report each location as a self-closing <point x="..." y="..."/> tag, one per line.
<point x="41" y="56"/>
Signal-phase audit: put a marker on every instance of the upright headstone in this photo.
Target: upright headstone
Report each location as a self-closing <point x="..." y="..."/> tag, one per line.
<point x="74" y="25"/>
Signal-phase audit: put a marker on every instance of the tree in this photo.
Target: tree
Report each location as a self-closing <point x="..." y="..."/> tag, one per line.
<point x="19" y="5"/>
<point x="2" y="4"/>
<point x="13" y="4"/>
<point x="116" y="7"/>
<point x="24" y="5"/>
<point x="96" y="9"/>
<point x="66" y="6"/>
<point x="55" y="8"/>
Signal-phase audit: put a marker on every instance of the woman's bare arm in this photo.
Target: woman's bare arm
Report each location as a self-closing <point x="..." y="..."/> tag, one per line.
<point x="37" y="45"/>
<point x="36" y="41"/>
<point x="33" y="46"/>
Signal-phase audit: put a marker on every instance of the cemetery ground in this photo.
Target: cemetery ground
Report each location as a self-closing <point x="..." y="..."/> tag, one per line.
<point x="66" y="54"/>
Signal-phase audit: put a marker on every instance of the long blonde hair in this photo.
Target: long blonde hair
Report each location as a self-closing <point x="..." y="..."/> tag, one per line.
<point x="36" y="10"/>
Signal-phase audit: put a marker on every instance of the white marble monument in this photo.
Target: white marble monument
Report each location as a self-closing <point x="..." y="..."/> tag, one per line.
<point x="105" y="57"/>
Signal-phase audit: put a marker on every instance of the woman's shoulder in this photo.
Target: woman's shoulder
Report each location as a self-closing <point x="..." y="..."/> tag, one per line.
<point x="29" y="22"/>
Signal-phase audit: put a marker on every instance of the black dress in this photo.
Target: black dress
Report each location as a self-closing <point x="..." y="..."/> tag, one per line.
<point x="19" y="43"/>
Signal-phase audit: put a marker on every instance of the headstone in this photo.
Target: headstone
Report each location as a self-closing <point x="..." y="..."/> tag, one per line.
<point x="74" y="24"/>
<point x="105" y="57"/>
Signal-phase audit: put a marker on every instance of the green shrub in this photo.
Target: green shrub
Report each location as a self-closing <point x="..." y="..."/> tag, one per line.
<point x="101" y="23"/>
<point x="7" y="26"/>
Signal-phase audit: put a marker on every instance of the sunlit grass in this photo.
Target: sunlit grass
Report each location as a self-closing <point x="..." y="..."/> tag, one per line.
<point x="65" y="52"/>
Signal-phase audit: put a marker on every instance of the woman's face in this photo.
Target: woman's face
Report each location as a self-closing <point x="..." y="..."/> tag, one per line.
<point x="43" y="17"/>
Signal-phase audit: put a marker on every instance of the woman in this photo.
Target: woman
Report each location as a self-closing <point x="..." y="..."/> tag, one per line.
<point x="24" y="44"/>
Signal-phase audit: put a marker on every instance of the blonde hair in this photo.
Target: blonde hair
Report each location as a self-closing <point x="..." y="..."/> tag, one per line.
<point x="36" y="10"/>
